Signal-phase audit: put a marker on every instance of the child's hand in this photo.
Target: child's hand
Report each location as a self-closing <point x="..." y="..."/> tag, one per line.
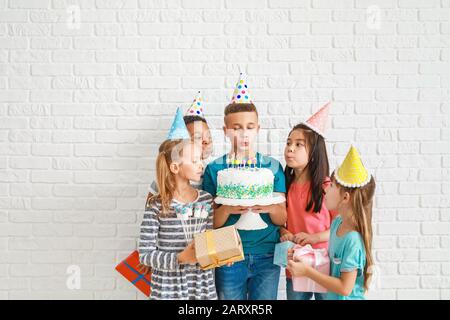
<point x="142" y="268"/>
<point x="187" y="256"/>
<point x="303" y="238"/>
<point x="297" y="269"/>
<point x="287" y="237"/>
<point x="261" y="209"/>
<point x="236" y="209"/>
<point x="290" y="254"/>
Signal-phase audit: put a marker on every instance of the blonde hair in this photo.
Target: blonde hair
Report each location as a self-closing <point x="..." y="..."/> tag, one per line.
<point x="362" y="202"/>
<point x="164" y="177"/>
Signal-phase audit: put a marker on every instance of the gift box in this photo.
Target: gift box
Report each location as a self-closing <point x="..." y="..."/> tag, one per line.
<point x="316" y="258"/>
<point x="128" y="268"/>
<point x="215" y="248"/>
<point x="281" y="252"/>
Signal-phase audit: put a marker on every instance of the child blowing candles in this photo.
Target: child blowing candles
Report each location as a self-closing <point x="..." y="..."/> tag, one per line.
<point x="307" y="170"/>
<point x="257" y="277"/>
<point x="351" y="194"/>
<point x="164" y="243"/>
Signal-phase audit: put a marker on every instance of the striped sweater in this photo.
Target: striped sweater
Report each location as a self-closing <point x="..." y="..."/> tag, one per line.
<point x="161" y="239"/>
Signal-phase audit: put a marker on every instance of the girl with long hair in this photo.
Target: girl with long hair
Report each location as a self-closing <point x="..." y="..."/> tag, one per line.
<point x="351" y="194"/>
<point x="170" y="218"/>
<point x="307" y="175"/>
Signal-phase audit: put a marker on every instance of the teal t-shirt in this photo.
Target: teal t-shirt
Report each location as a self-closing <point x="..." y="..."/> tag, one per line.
<point x="253" y="241"/>
<point x="347" y="253"/>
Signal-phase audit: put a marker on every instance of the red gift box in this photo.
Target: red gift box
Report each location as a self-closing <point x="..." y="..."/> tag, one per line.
<point x="128" y="268"/>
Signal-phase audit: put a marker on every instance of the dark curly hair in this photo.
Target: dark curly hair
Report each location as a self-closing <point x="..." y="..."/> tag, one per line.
<point x="191" y="119"/>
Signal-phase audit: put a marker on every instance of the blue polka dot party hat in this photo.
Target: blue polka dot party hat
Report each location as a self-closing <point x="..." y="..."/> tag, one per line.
<point x="196" y="108"/>
<point x="178" y="129"/>
<point x="241" y="94"/>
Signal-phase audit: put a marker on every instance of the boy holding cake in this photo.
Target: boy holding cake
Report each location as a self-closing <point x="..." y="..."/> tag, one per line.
<point x="255" y="278"/>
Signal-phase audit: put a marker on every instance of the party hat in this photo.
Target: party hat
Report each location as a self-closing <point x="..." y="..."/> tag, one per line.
<point x="352" y="172"/>
<point x="196" y="108"/>
<point x="318" y="121"/>
<point x="178" y="129"/>
<point x="240" y="94"/>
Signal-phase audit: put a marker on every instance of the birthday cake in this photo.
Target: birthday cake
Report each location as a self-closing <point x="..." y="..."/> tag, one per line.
<point x="245" y="183"/>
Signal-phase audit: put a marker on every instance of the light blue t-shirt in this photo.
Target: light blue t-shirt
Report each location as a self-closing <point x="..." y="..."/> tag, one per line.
<point x="253" y="241"/>
<point x="347" y="254"/>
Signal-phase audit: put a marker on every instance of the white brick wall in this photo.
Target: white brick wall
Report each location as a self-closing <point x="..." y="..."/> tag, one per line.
<point x="83" y="110"/>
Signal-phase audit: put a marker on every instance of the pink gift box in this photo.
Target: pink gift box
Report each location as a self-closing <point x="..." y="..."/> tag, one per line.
<point x="316" y="258"/>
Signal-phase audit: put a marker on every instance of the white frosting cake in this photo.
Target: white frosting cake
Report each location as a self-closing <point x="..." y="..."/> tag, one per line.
<point x="245" y="183"/>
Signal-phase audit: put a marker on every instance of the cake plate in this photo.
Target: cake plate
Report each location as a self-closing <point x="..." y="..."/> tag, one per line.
<point x="250" y="220"/>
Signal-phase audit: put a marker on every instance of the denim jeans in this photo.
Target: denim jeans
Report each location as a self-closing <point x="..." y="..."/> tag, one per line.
<point x="255" y="278"/>
<point x="293" y="295"/>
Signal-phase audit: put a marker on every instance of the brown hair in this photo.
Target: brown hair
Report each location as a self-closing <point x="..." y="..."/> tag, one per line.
<point x="362" y="202"/>
<point x="164" y="177"/>
<point x="190" y="119"/>
<point x="318" y="167"/>
<point x="240" y="107"/>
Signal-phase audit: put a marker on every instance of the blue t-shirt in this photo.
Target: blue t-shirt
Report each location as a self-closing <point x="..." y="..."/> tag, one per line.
<point x="254" y="241"/>
<point x="347" y="254"/>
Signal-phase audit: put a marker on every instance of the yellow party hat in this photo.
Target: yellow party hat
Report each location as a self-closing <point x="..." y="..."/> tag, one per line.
<point x="352" y="172"/>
